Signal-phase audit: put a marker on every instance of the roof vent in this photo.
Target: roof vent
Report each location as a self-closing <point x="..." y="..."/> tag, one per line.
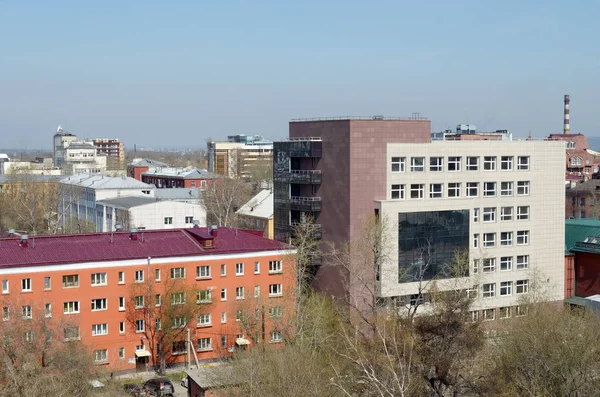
<point x="24" y="239"/>
<point x="196" y="223"/>
<point x="214" y="231"/>
<point x="12" y="232"/>
<point x="118" y="227"/>
<point x="133" y="235"/>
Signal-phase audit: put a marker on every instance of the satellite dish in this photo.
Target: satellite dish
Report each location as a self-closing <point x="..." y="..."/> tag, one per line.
<point x="59" y="129"/>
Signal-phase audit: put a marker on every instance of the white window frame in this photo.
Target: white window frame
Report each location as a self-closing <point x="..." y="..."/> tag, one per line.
<point x="101" y="355"/>
<point x="489" y="214"/>
<point x="505" y="288"/>
<point x="47" y="283"/>
<point x="398" y="192"/>
<point x="489" y="240"/>
<point x="239" y="293"/>
<point x="177" y="273"/>
<point x="223" y="294"/>
<point x="48" y="310"/>
<point x="275" y="267"/>
<point x="521" y="287"/>
<point x="205" y="344"/>
<point x="99" y="329"/>
<point x="5" y="313"/>
<point x="418" y="190"/>
<point x="121" y="303"/>
<point x="522" y="262"/>
<point x="506" y="239"/>
<point x="506" y="163"/>
<point x="102" y="304"/>
<point x="489" y="314"/>
<point x="436" y="190"/>
<point x="275" y="290"/>
<point x="203" y="272"/>
<point x="257" y="267"/>
<point x="26" y="312"/>
<point x="121" y="353"/>
<point x="506" y="188"/>
<point x="156" y="274"/>
<point x="239" y="269"/>
<point x="257" y="291"/>
<point x="121" y="327"/>
<point x="178" y="298"/>
<point x="276" y="312"/>
<point x="398" y="164"/>
<point x="140" y="326"/>
<point x="26" y="285"/>
<point x="523" y="213"/>
<point x="475" y="215"/>
<point x="523" y="188"/>
<point x="506" y="213"/>
<point x="5" y="286"/>
<point x="223" y="317"/>
<point x="140" y="301"/>
<point x="204" y="296"/>
<point x="476" y="240"/>
<point x="505" y="312"/>
<point x="523" y="237"/>
<point x="415" y="166"/>
<point x="204" y="320"/>
<point x="99" y="279"/>
<point x="276" y="336"/>
<point x="472" y="189"/>
<point x="523" y="165"/>
<point x="71" y="307"/>
<point x="139" y="276"/>
<point x="436" y="164"/>
<point x="168" y="220"/>
<point x="489" y="163"/>
<point x="489" y="189"/>
<point x="506" y="263"/>
<point x="121" y="277"/>
<point x="454" y="163"/>
<point x="472" y="165"/>
<point x="489" y="265"/>
<point x="454" y="189"/>
<point x="223" y="270"/>
<point x="488" y="290"/>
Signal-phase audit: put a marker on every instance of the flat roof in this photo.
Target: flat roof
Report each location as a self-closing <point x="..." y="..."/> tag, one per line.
<point x="97" y="181"/>
<point x="128" y="202"/>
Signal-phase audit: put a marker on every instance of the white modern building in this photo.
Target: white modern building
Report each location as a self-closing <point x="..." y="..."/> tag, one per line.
<point x="76" y="156"/>
<point x="502" y="202"/>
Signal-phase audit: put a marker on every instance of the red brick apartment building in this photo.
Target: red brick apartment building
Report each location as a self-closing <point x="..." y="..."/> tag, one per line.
<point x="88" y="281"/>
<point x="177" y="178"/>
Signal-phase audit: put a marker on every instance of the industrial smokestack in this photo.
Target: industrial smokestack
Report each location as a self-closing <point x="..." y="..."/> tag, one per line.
<point x="567" y="129"/>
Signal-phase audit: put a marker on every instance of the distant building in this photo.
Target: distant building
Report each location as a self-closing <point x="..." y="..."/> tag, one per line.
<point x="184" y="195"/>
<point x="583" y="200"/>
<point x="468" y="132"/>
<point x="258" y="213"/>
<point x="138" y="166"/>
<point x="248" y="139"/>
<point x="113" y="149"/>
<point x="238" y="158"/>
<point x="581" y="161"/>
<point x="169" y="177"/>
<point x="582" y="254"/>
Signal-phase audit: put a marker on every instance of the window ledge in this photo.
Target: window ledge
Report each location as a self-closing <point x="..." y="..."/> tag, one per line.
<point x="204" y="325"/>
<point x="276" y="272"/>
<point x="275" y="295"/>
<point x="204" y="278"/>
<point x="208" y="349"/>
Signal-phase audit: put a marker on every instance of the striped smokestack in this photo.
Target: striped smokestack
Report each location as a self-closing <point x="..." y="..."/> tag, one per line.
<point x="567" y="129"/>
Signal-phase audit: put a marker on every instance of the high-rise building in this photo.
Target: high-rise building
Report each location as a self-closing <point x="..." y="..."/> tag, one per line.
<point x="113" y="149"/>
<point x="239" y="157"/>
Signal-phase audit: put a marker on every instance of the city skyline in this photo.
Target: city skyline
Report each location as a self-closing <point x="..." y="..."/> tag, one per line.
<point x="163" y="75"/>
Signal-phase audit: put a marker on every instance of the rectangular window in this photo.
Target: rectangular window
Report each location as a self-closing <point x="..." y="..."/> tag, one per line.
<point x="203" y="296"/>
<point x="71" y="333"/>
<point x="489" y="290"/>
<point x="121" y="303"/>
<point x="257" y="291"/>
<point x="522" y="212"/>
<point x="99" y="329"/>
<point x="121" y="353"/>
<point x="139" y="276"/>
<point x="223" y="341"/>
<point x="489" y="163"/>
<point x="476" y="240"/>
<point x="506" y="288"/>
<point x="454" y="163"/>
<point x="239" y="292"/>
<point x="436" y="164"/>
<point x="454" y="189"/>
<point x="506" y="163"/>
<point x="520" y="311"/>
<point x="71" y="280"/>
<point x="26" y="311"/>
<point x="522" y="262"/>
<point x="139" y="301"/>
<point x="257" y="267"/>
<point x="506" y="239"/>
<point x="276" y="311"/>
<point x="189" y="219"/>
<point x="475" y="266"/>
<point x="223" y="270"/>
<point x="417" y="191"/>
<point x="71" y="307"/>
<point x="139" y="326"/>
<point x="122" y="327"/>
<point x="157" y="324"/>
<point x="523" y="188"/>
<point x="99" y="304"/>
<point x="505" y="312"/>
<point x="223" y="294"/>
<point x="239" y="269"/>
<point x="275" y="267"/>
<point x="121" y="277"/>
<point x="179" y="347"/>
<point x="472" y="189"/>
<point x="276" y="336"/>
<point x="5" y="313"/>
<point x="506" y="213"/>
<point x="47" y="283"/>
<point x="223" y="317"/>
<point x="98" y="278"/>
<point x="523" y="163"/>
<point x="5" y="289"/>
<point x="26" y="285"/>
<point x="474" y="316"/>
<point x="522" y="286"/>
<point x="398" y="164"/>
<point x="489" y="265"/>
<point x="506" y="188"/>
<point x="489" y="214"/>
<point x="203" y="271"/>
<point x="275" y="290"/>
<point x="101" y="356"/>
<point x="204" y="320"/>
<point x="157" y="300"/>
<point x="472" y="163"/>
<point x="489" y="189"/>
<point x="204" y="344"/>
<point x="489" y="240"/>
<point x="398" y="192"/>
<point x="417" y="164"/>
<point x="473" y="292"/>
<point x="178" y="298"/>
<point x="506" y="263"/>
<point x="475" y="215"/>
<point x="156" y="274"/>
<point x="168" y="220"/>
<point x="523" y="237"/>
<point x="177" y="273"/>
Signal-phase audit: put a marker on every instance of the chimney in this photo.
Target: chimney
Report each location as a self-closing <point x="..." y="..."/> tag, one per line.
<point x="133" y="235"/>
<point x="24" y="239"/>
<point x="567" y="129"/>
<point x="214" y="231"/>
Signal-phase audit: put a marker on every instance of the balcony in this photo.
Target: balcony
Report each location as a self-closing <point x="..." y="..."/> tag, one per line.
<point x="300" y="147"/>
<point x="311" y="177"/>
<point x="311" y="204"/>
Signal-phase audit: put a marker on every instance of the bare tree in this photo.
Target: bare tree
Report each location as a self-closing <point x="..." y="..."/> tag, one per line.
<point x="222" y="198"/>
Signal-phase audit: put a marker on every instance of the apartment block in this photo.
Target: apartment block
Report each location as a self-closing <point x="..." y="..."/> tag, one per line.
<point x="238" y="158"/>
<point x="88" y="282"/>
<point x="113" y="149"/>
<point x="171" y="177"/>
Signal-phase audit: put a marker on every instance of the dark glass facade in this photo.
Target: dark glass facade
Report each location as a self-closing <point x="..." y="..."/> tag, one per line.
<point x="428" y="243"/>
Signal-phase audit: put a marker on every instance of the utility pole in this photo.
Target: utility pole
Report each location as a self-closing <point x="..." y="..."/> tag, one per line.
<point x="148" y="312"/>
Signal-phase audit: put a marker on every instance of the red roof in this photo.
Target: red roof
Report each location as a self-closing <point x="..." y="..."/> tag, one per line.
<point x="98" y="247"/>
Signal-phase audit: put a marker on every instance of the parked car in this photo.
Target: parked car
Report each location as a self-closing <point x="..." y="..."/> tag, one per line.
<point x="134" y="389"/>
<point x="159" y="387"/>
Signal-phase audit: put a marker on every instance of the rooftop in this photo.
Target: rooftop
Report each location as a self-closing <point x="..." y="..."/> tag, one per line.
<point x="183" y="173"/>
<point x="148" y="163"/>
<point x="587" y="186"/>
<point x="259" y="206"/>
<point x="178" y="193"/>
<point x="414" y="117"/>
<point x="128" y="202"/>
<point x="97" y="181"/>
<point x="577" y="230"/>
<point x="100" y="247"/>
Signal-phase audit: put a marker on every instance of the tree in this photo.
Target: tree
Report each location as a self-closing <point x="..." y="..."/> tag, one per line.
<point x="222" y="198"/>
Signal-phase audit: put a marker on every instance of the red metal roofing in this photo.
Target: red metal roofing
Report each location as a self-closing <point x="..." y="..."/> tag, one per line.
<point x="98" y="247"/>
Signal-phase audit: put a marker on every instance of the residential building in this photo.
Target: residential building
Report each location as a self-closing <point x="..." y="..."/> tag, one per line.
<point x="88" y="281"/>
<point x="138" y="166"/>
<point x="239" y="158"/>
<point x="147" y="213"/>
<point x="581" y="162"/>
<point x="178" y="178"/>
<point x="113" y="149"/>
<point x="497" y="200"/>
<point x="191" y="195"/>
<point x="582" y="200"/>
<point x="258" y="213"/>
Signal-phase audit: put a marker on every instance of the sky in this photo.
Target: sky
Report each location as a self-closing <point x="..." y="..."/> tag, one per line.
<point x="170" y="74"/>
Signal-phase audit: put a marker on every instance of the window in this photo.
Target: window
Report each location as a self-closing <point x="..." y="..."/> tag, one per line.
<point x="178" y="298"/>
<point x="71" y="281"/>
<point x="156" y="274"/>
<point x="489" y="163"/>
<point x="5" y="313"/>
<point x="204" y="344"/>
<point x="26" y="311"/>
<point x="157" y="300"/>
<point x="398" y="192"/>
<point x="523" y="237"/>
<point x="98" y="278"/>
<point x="239" y="293"/>
<point x="417" y="164"/>
<point x="506" y="163"/>
<point x="489" y="290"/>
<point x="506" y="188"/>
<point x="239" y="269"/>
<point x="474" y="316"/>
<point x="417" y="191"/>
<point x="26" y="284"/>
<point x="101" y="356"/>
<point x="436" y="164"/>
<point x="99" y="304"/>
<point x="582" y="214"/>
<point x="489" y="214"/>
<point x="489" y="240"/>
<point x="204" y="320"/>
<point x="5" y="289"/>
<point x="523" y="188"/>
<point x="121" y="277"/>
<point x="472" y="189"/>
<point x="475" y="215"/>
<point x="275" y="267"/>
<point x="239" y="315"/>
<point x="454" y="189"/>
<point x="522" y="286"/>
<point x="179" y="347"/>
<point x="189" y="219"/>
<point x="472" y="163"/>
<point x="476" y="240"/>
<point x="475" y="266"/>
<point x="398" y="164"/>
<point x="506" y="239"/>
<point x="121" y="303"/>
<point x="122" y="327"/>
<point x="472" y="292"/>
<point x="71" y="307"/>
<point x="71" y="333"/>
<point x="505" y="312"/>
<point x="121" y="353"/>
<point x="522" y="262"/>
<point x="202" y="271"/>
<point x="506" y="213"/>
<point x="139" y="276"/>
<point x="177" y="273"/>
<point x="223" y="270"/>
<point x="489" y="189"/>
<point x="139" y="302"/>
<point x="489" y="265"/>
<point x="47" y="283"/>
<point x="257" y="291"/>
<point x="223" y="317"/>
<point x="275" y="311"/>
<point x="203" y="296"/>
<point x="275" y="290"/>
<point x="520" y="311"/>
<point x="223" y="294"/>
<point x="506" y="263"/>
<point x="523" y="163"/>
<point x="257" y="267"/>
<point x="99" y="329"/>
<point x="454" y="163"/>
<point x="506" y="288"/>
<point x="168" y="220"/>
<point x="223" y="341"/>
<point x="139" y="326"/>
<point x="523" y="213"/>
<point x="276" y="336"/>
<point x="157" y="324"/>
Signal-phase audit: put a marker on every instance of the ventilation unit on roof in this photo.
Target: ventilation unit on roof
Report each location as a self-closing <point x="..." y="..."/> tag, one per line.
<point x="378" y="117"/>
<point x="133" y="235"/>
<point x="23" y="243"/>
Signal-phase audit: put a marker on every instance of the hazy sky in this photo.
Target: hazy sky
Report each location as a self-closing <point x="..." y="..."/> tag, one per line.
<point x="171" y="73"/>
